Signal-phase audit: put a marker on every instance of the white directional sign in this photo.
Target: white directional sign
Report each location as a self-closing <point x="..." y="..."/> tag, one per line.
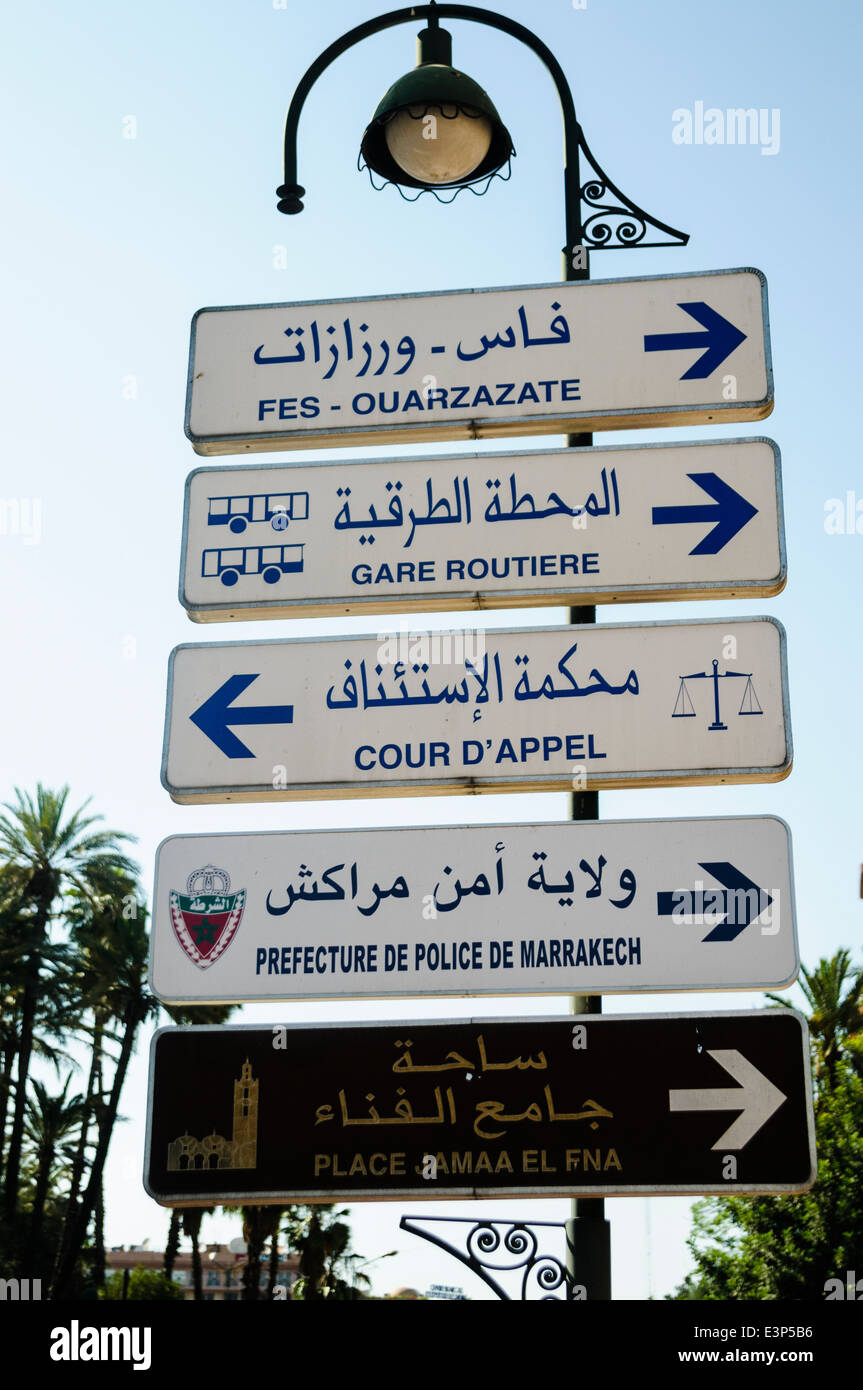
<point x="542" y="709"/>
<point x="609" y="908"/>
<point x="498" y="530"/>
<point x="473" y="364"/>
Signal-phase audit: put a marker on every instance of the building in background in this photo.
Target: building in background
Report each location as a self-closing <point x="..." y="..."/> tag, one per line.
<point x="222" y="1269"/>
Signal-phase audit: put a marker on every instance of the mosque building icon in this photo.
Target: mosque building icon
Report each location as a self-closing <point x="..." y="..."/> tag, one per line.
<point x="214" y="1151"/>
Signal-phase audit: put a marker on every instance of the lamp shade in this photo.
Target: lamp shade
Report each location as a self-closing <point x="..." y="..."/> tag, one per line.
<point x="435" y="128"/>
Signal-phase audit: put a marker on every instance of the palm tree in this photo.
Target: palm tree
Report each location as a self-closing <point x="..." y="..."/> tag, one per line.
<point x="129" y="1003"/>
<point x="92" y="919"/>
<point x="49" y="1123"/>
<point x="322" y="1241"/>
<point x="46" y="852"/>
<point x="8" y="1053"/>
<point x="114" y="953"/>
<point x="192" y="1218"/>
<point x="834" y="993"/>
<point x="172" y="1244"/>
<point x="53" y="1021"/>
<point x="259" y="1225"/>
<point x="10" y="1000"/>
<point x="52" y="1011"/>
<point x="273" y="1269"/>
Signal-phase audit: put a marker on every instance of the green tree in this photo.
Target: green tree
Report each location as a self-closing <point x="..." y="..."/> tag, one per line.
<point x="834" y="994"/>
<point x="273" y="1268"/>
<point x="192" y="1218"/>
<point x="129" y="1003"/>
<point x="323" y="1242"/>
<point x="53" y="1022"/>
<point x="260" y="1224"/>
<point x="48" y="1125"/>
<point x="45" y="852"/>
<point x="787" y="1247"/>
<point x="53" y="1015"/>
<point x="142" y="1285"/>
<point x="107" y="965"/>
<point x="56" y="869"/>
<point x="111" y="931"/>
<point x="172" y="1244"/>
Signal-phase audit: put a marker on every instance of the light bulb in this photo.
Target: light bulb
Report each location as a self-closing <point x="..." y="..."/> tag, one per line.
<point x="438" y="145"/>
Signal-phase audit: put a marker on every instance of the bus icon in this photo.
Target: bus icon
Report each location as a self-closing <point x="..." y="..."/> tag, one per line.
<point x="269" y="561"/>
<point x="278" y="508"/>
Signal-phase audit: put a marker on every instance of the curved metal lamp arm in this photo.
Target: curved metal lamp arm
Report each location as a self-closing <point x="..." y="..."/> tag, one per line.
<point x="290" y="192"/>
<point x="595" y="232"/>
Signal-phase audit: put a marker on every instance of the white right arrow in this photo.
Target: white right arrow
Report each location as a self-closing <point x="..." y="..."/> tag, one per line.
<point x="756" y="1097"/>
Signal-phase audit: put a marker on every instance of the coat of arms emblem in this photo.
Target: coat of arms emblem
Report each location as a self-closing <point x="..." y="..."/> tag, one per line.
<point x="205" y="918"/>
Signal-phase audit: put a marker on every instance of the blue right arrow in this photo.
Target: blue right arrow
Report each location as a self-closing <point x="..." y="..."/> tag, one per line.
<point x="737" y="914"/>
<point x="720" y="340"/>
<point x="730" y="514"/>
<point x="215" y="714"/>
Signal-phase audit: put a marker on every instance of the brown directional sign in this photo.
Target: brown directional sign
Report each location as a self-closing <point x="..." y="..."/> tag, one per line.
<point x="481" y="1108"/>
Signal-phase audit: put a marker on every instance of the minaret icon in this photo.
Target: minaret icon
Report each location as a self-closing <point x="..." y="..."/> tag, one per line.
<point x="245" y="1131"/>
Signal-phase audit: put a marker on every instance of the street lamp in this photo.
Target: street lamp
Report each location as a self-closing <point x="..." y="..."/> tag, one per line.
<point x="597" y="215"/>
<point x="437" y="129"/>
<point x="355" y="1268"/>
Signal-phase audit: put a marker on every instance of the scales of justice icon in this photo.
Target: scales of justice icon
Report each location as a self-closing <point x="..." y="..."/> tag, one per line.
<point x="684" y="708"/>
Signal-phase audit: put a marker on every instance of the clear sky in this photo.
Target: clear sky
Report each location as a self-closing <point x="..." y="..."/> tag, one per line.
<point x="110" y="245"/>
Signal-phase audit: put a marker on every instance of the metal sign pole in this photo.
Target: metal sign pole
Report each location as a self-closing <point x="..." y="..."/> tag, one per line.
<point x="588" y="1239"/>
<point x="588" y="1233"/>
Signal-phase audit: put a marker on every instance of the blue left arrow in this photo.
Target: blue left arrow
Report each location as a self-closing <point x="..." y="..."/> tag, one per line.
<point x="215" y="715"/>
<point x="720" y="340"/>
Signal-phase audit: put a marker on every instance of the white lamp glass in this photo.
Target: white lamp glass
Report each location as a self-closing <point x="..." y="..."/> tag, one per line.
<point x="438" y="146"/>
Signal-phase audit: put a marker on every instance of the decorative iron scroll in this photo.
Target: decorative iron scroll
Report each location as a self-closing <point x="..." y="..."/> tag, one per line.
<point x="610" y="220"/>
<point x="508" y="1256"/>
